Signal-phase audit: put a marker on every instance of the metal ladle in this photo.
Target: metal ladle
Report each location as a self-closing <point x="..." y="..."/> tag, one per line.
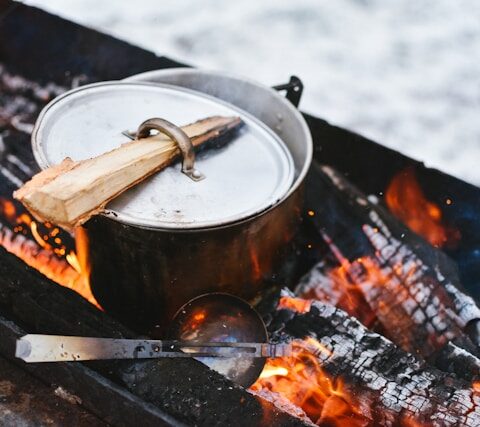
<point x="222" y="331"/>
<point x="220" y="317"/>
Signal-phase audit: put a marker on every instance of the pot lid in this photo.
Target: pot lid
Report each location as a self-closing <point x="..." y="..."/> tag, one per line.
<point x="253" y="172"/>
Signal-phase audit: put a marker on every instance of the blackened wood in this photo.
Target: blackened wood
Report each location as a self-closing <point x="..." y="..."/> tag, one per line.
<point x="453" y="357"/>
<point x="20" y="103"/>
<point x="101" y="396"/>
<point x="202" y="396"/>
<point x="412" y="288"/>
<point x="323" y="283"/>
<point x="185" y="389"/>
<point x="27" y="402"/>
<point x="395" y="385"/>
<point x="328" y="283"/>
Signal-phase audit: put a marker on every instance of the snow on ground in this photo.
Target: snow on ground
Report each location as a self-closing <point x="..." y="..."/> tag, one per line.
<point x="403" y="72"/>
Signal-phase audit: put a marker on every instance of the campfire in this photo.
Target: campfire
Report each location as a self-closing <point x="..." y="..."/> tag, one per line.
<point x="382" y="330"/>
<point x="41" y="246"/>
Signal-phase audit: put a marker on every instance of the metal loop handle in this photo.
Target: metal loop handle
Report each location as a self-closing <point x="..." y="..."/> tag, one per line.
<point x="178" y="136"/>
<point x="294" y="90"/>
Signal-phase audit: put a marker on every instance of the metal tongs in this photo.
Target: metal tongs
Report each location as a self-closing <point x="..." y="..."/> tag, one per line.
<point x="58" y="348"/>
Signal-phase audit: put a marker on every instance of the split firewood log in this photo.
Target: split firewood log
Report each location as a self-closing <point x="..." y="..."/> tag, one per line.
<point x="68" y="194"/>
<point x="344" y="365"/>
<point x="411" y="287"/>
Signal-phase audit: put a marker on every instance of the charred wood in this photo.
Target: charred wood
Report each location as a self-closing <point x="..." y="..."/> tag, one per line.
<point x="411" y="287"/>
<point x="388" y="385"/>
<point x="27" y="402"/>
<point x="330" y="285"/>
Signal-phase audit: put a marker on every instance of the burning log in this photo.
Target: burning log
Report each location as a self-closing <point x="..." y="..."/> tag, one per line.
<point x="349" y="373"/>
<point x="331" y="285"/>
<point x="68" y="194"/>
<point x="411" y="287"/>
<point x="185" y="389"/>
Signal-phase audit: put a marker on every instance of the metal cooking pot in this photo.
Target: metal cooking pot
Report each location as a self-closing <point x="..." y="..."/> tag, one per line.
<point x="142" y="270"/>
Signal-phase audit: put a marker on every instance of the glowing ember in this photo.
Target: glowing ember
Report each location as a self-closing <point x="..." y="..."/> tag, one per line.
<point x="337" y="288"/>
<point x="47" y="253"/>
<point x="295" y="304"/>
<point x="406" y="200"/>
<point x="410" y="422"/>
<point x="301" y="380"/>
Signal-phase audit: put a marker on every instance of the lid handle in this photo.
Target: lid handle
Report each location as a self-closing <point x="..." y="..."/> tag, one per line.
<point x="178" y="136"/>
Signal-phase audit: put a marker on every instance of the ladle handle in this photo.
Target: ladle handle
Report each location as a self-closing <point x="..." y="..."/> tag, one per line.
<point x="57" y="348"/>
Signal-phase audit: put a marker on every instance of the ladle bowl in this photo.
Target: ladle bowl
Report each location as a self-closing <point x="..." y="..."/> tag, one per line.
<point x="220" y="317"/>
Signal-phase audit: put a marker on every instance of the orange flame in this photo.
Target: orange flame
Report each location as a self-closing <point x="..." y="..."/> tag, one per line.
<point x="406" y="200"/>
<point x="69" y="270"/>
<point x="301" y="379"/>
<point x="342" y="292"/>
<point x="373" y="293"/>
<point x="295" y="304"/>
<point x="272" y="371"/>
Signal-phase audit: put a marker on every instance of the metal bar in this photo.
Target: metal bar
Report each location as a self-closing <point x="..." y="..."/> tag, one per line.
<point x="56" y="348"/>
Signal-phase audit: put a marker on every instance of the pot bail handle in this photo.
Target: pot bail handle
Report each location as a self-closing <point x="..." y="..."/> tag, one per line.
<point x="178" y="136"/>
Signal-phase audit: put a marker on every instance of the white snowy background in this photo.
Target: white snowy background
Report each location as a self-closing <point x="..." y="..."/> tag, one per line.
<point x="403" y="72"/>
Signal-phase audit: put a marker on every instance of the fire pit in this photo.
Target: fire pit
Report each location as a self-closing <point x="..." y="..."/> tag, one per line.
<point x="372" y="295"/>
